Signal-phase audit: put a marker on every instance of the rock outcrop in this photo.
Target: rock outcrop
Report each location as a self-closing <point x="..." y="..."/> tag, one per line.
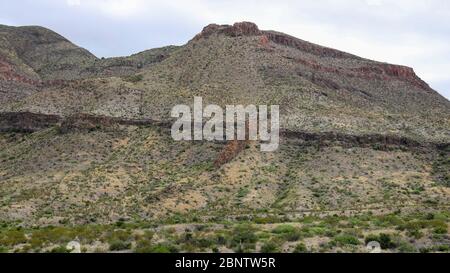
<point x="26" y="122"/>
<point x="238" y="29"/>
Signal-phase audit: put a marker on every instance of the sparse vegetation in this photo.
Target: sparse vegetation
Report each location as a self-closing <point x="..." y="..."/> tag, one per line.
<point x="235" y="236"/>
<point x="364" y="153"/>
<point x="134" y="78"/>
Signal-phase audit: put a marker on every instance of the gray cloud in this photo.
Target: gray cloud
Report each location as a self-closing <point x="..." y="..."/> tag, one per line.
<point x="409" y="32"/>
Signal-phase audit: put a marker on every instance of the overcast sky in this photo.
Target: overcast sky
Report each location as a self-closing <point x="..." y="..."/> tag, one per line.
<point x="415" y="33"/>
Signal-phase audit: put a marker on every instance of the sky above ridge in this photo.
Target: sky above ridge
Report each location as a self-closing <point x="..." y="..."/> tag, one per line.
<point x="415" y="33"/>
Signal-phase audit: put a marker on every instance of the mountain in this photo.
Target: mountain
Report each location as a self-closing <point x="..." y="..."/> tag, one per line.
<point x="320" y="89"/>
<point x="86" y="141"/>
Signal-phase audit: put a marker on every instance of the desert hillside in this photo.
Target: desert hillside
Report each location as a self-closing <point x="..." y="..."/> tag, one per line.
<point x="86" y="150"/>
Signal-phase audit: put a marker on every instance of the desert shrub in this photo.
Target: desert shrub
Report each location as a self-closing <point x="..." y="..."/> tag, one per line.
<point x="270" y="247"/>
<point x="144" y="242"/>
<point x="415" y="233"/>
<point x="284" y="229"/>
<point x="288" y="232"/>
<point x="143" y="246"/>
<point x="425" y="250"/>
<point x="443" y="248"/>
<point x="12" y="238"/>
<point x="440" y="230"/>
<point x="221" y="239"/>
<point x="120" y="223"/>
<point x="421" y="224"/>
<point x="346" y="239"/>
<point x="119" y="245"/>
<point x="147" y="236"/>
<point x="201" y="242"/>
<point x="243" y="192"/>
<point x="206" y="242"/>
<point x="429" y="216"/>
<point x="413" y="225"/>
<point x="292" y="236"/>
<point x="158" y="248"/>
<point x="52" y="235"/>
<point x="405" y="247"/>
<point x="264" y="235"/>
<point x="134" y="78"/>
<point x="386" y="241"/>
<point x="267" y="220"/>
<point x="300" y="248"/>
<point x="436" y="224"/>
<point x="89" y="233"/>
<point x="243" y="234"/>
<point x="316" y="231"/>
<point x="118" y="236"/>
<point x="371" y="238"/>
<point x="388" y="220"/>
<point x="60" y="249"/>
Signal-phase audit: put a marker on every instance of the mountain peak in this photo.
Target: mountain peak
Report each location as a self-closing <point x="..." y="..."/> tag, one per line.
<point x="368" y="69"/>
<point x="237" y="29"/>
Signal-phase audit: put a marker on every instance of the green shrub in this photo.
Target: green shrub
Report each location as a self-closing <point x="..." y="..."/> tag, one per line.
<point x="134" y="78"/>
<point x="443" y="248"/>
<point x="287" y="232"/>
<point x="386" y="242"/>
<point x="123" y="235"/>
<point x="60" y="249"/>
<point x="267" y="220"/>
<point x="270" y="247"/>
<point x="292" y="236"/>
<point x="144" y="242"/>
<point x="143" y="246"/>
<point x="405" y="247"/>
<point x="440" y="230"/>
<point x="388" y="220"/>
<point x="52" y="235"/>
<point x="425" y="250"/>
<point x="243" y="235"/>
<point x="417" y="234"/>
<point x="147" y="236"/>
<point x="202" y="243"/>
<point x="159" y="248"/>
<point x="421" y="224"/>
<point x="300" y="248"/>
<point x="346" y="239"/>
<point x="284" y="229"/>
<point x="12" y="238"/>
<point x="371" y="238"/>
<point x="119" y="245"/>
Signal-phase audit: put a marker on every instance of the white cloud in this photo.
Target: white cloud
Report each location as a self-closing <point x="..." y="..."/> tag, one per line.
<point x="117" y="8"/>
<point x="73" y="3"/>
<point x="374" y="2"/>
